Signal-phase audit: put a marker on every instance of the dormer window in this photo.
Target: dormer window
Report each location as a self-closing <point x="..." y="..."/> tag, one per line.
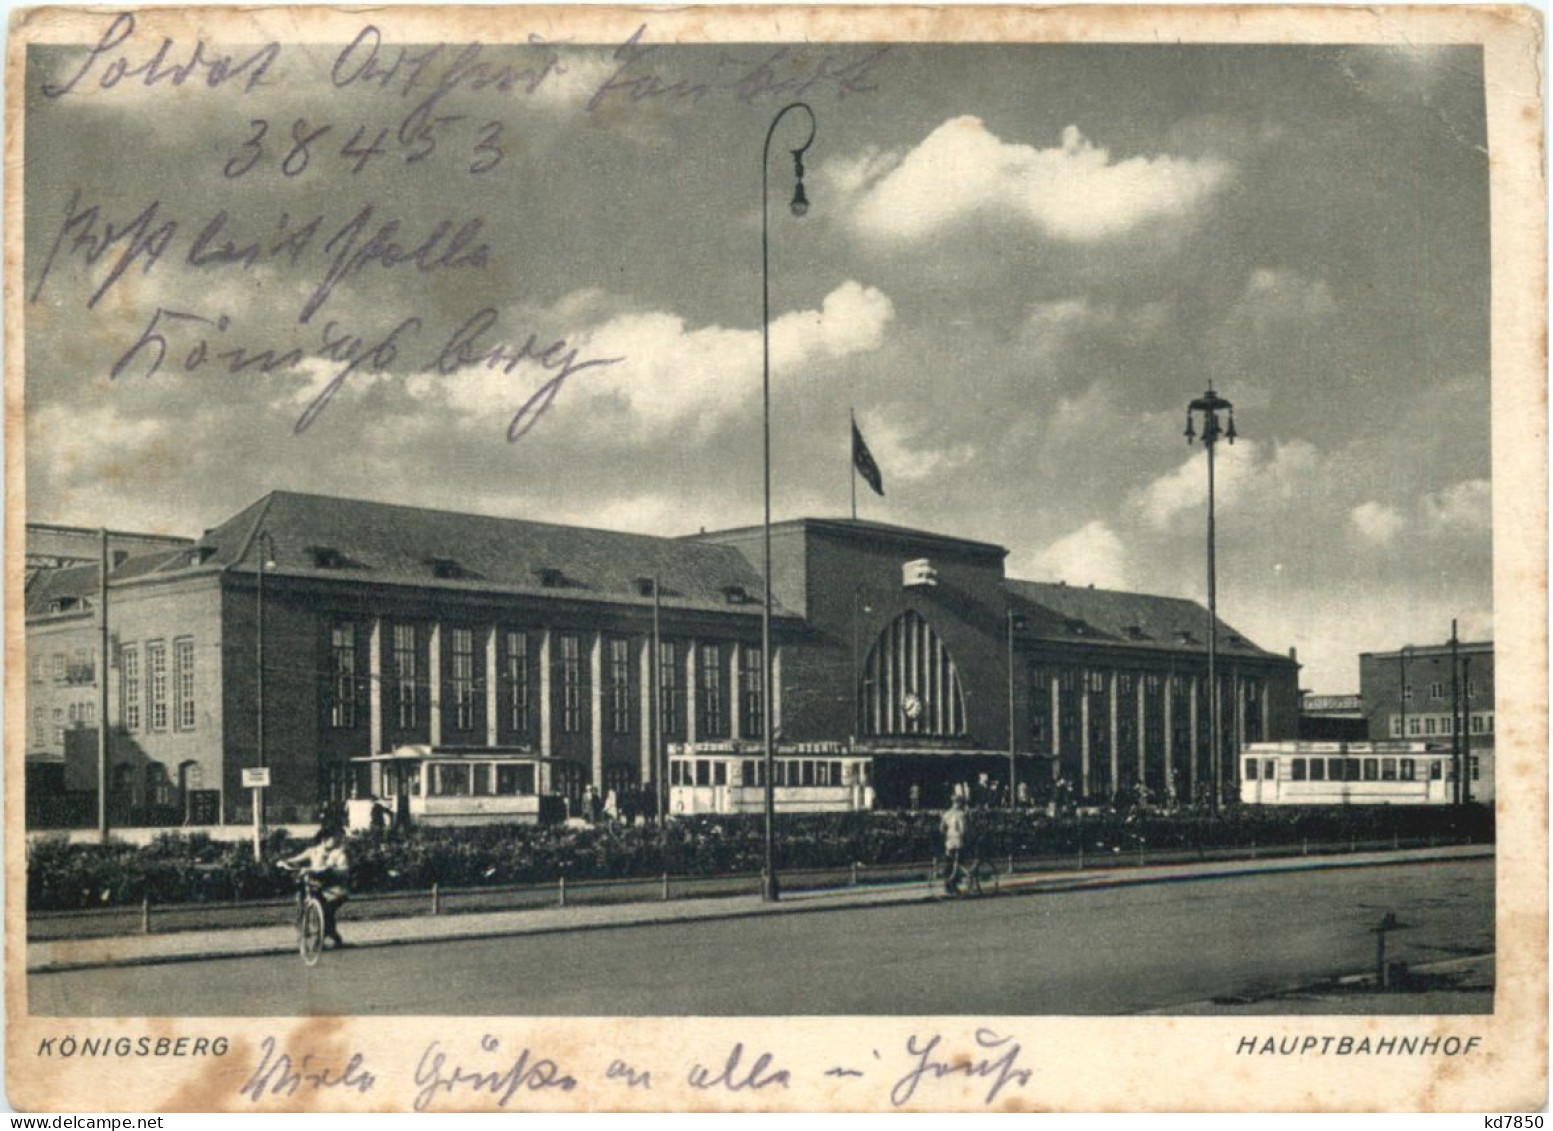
<point x="645" y="586"/>
<point x="1077" y="627"/>
<point x="550" y="577"/>
<point x="736" y="594"/>
<point x="446" y="569"/>
<point x="326" y="557"/>
<point x="1237" y="641"/>
<point x="1185" y="637"/>
<point x="1135" y="632"/>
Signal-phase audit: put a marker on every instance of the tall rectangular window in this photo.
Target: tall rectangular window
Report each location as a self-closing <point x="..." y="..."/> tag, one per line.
<point x="709" y="704"/>
<point x="40" y="735"/>
<point x="406" y="689"/>
<point x="183" y="680"/>
<point x="342" y="682"/>
<point x="463" y="679"/>
<point x="517" y="681"/>
<point x="571" y="684"/>
<point x="156" y="683"/>
<point x="129" y="691"/>
<point x="670" y="688"/>
<point x="620" y="686"/>
<point x="82" y="670"/>
<point x="750" y="684"/>
<point x="59" y="726"/>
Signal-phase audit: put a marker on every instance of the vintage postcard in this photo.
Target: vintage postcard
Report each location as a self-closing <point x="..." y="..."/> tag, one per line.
<point x="775" y="559"/>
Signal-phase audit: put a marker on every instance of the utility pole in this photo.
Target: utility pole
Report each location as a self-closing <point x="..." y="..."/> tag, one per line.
<point x="1466" y="730"/>
<point x="1013" y="764"/>
<point x="1458" y="792"/>
<point x="102" y="689"/>
<point x="1402" y="692"/>
<point x="659" y="770"/>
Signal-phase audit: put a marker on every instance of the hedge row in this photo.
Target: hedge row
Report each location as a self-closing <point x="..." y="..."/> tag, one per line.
<point x="180" y="869"/>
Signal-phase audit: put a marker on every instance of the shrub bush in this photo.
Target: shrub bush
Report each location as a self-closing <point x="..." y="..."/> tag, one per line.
<point x="175" y="868"/>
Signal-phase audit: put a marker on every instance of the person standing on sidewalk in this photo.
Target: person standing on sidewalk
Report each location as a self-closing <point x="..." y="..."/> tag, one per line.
<point x="955" y="824"/>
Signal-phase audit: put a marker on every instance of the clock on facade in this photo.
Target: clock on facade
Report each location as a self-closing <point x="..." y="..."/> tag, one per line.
<point x="912" y="705"/>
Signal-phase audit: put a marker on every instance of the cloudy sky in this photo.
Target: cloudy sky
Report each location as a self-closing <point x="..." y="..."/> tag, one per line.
<point x="1018" y="266"/>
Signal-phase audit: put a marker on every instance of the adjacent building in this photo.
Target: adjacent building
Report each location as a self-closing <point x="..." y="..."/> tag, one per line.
<point x="1333" y="718"/>
<point x="309" y="631"/>
<point x="1419" y="693"/>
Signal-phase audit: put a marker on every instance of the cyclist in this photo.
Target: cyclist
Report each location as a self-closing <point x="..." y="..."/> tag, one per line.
<point x="955" y="823"/>
<point x="328" y="861"/>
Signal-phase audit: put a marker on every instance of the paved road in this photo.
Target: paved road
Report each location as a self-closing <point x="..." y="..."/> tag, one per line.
<point x="1097" y="952"/>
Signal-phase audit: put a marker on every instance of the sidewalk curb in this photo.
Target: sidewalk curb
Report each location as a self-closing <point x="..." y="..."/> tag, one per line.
<point x="835" y="899"/>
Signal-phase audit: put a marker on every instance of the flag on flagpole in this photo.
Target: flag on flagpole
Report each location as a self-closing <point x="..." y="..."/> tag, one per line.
<point x="863" y="461"/>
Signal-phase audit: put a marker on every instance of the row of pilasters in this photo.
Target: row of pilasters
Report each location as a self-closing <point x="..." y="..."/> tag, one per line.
<point x="1198" y="770"/>
<point x="594" y="644"/>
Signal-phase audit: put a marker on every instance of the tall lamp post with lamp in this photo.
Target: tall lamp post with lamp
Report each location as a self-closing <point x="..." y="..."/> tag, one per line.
<point x="770" y="889"/>
<point x="1209" y="405"/>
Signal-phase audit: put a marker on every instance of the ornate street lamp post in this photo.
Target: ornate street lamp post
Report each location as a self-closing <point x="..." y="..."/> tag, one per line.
<point x="1209" y="405"/>
<point x="770" y="890"/>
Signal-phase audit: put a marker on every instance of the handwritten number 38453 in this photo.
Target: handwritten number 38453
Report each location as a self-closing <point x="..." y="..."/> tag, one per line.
<point x="487" y="148"/>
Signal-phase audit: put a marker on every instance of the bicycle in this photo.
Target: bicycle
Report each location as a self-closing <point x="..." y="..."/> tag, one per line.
<point x="310" y="917"/>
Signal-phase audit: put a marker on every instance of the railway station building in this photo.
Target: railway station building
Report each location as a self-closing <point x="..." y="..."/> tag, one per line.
<point x="386" y="627"/>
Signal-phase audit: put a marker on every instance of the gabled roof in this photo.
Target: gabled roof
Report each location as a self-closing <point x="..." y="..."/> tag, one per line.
<point x="371" y="542"/>
<point x="81" y="582"/>
<point x="1075" y="614"/>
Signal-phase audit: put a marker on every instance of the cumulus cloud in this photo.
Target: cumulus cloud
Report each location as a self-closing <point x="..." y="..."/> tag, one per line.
<point x="908" y="455"/>
<point x="1376" y="523"/>
<point x="669" y="373"/>
<point x="1276" y="295"/>
<point x="1464" y="508"/>
<point x="1073" y="191"/>
<point x="1091" y="555"/>
<point x="1246" y="470"/>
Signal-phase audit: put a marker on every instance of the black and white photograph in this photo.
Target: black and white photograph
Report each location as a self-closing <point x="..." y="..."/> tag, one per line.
<point x="542" y="516"/>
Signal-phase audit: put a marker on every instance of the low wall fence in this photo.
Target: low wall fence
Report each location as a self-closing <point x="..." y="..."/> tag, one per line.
<point x="992" y="870"/>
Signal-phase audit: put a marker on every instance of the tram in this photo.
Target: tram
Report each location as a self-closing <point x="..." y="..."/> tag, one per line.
<point x="1359" y="773"/>
<point x="815" y="777"/>
<point x="445" y="786"/>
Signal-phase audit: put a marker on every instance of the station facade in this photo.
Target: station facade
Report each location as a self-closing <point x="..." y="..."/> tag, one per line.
<point x="386" y="627"/>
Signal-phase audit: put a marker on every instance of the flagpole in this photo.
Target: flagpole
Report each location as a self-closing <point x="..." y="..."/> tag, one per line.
<point x="852" y="459"/>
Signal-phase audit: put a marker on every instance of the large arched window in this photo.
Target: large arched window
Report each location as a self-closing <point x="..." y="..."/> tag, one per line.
<point x="910" y="683"/>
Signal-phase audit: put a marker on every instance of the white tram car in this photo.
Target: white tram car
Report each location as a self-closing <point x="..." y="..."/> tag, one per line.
<point x="1359" y="773"/>
<point x="815" y="777"/>
<point x="446" y="786"/>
